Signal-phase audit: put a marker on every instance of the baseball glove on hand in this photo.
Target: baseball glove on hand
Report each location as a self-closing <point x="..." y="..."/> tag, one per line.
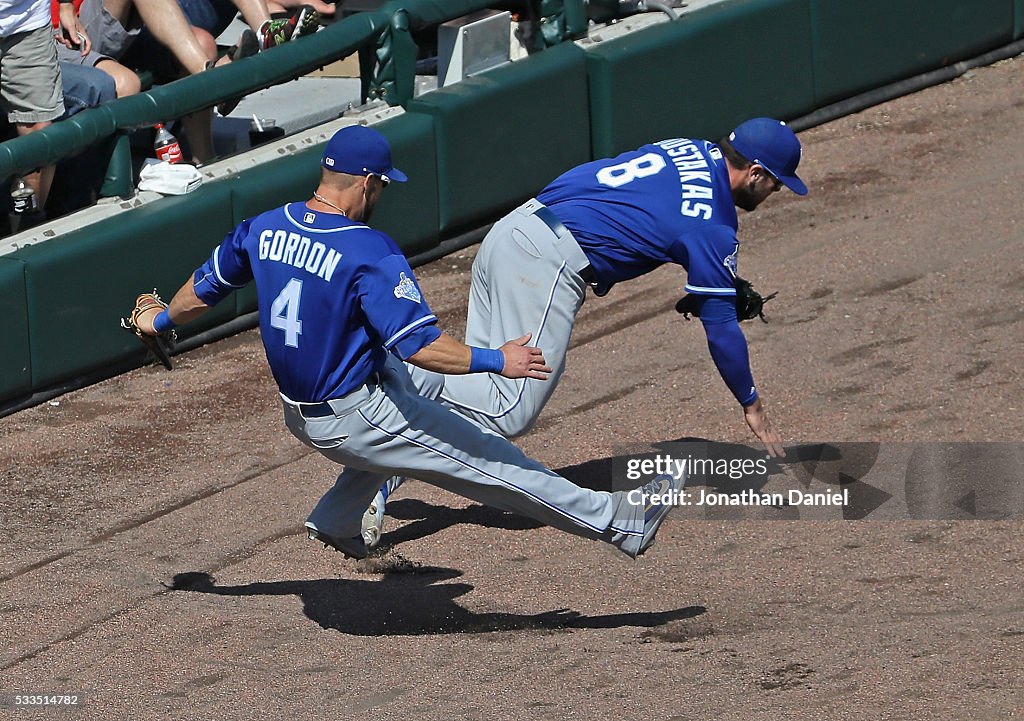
<point x="749" y="303"/>
<point x="159" y="344"/>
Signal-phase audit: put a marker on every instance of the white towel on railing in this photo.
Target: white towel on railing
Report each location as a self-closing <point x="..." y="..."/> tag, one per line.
<point x="168" y="178"/>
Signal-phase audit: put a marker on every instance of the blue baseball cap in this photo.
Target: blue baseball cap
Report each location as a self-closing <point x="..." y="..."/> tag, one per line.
<point x="359" y="150"/>
<point x="774" y="146"/>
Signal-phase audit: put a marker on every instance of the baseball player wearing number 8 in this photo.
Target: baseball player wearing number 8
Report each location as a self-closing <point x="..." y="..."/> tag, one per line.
<point x="339" y="310"/>
<point x="602" y="223"/>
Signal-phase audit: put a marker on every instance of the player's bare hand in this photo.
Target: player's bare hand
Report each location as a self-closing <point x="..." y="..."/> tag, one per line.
<point x="524" y="361"/>
<point x="757" y="418"/>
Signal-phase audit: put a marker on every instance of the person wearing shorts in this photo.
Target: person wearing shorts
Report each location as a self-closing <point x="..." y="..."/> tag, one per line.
<point x="31" y="91"/>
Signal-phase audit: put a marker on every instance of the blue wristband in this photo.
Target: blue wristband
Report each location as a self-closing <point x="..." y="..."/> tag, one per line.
<point x="163" y="323"/>
<point x="485" y="360"/>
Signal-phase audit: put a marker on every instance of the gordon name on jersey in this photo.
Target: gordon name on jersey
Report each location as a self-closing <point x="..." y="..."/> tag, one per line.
<point x="298" y="251"/>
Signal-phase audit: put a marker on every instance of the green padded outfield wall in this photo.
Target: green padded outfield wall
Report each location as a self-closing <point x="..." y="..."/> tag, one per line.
<point x="79" y="285"/>
<point x="408" y="211"/>
<point x="15" y="359"/>
<point x="865" y="44"/>
<point x="475" y="149"/>
<point x="701" y="75"/>
<point x="503" y="135"/>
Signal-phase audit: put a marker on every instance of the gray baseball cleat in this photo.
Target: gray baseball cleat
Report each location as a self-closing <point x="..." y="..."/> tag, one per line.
<point x="349" y="547"/>
<point x="373" y="518"/>
<point x="664" y="487"/>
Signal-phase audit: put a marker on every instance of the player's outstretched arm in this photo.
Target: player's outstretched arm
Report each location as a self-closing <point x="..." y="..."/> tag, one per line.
<point x="185" y="306"/>
<point x="729" y="351"/>
<point x="515" y="359"/>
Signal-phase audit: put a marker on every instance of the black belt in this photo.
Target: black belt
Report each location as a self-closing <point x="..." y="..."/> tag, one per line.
<point x="551" y="220"/>
<point x="558" y="228"/>
<point x="317" y="410"/>
<point x="323" y="409"/>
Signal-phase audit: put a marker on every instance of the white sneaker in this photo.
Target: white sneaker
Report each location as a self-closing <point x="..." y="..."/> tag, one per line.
<point x="373" y="518"/>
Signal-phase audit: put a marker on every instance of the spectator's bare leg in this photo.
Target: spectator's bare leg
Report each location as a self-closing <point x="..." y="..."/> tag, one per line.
<point x="278" y="6"/>
<point x="126" y="82"/>
<point x="199" y="129"/>
<point x="254" y="12"/>
<point x="207" y="43"/>
<point x="199" y="125"/>
<point x="39" y="180"/>
<point x="168" y="23"/>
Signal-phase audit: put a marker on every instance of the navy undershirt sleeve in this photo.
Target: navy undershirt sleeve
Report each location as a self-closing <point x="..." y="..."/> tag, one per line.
<point x="728" y="346"/>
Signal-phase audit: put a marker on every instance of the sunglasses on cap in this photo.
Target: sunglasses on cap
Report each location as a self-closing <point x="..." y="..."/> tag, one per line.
<point x="384" y="180"/>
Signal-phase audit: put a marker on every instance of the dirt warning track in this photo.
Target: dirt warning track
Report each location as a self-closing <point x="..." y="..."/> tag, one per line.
<point x="153" y="562"/>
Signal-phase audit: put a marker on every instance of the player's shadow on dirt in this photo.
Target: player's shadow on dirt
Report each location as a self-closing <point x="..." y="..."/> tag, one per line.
<point x="415" y="602"/>
<point x="428" y="519"/>
<point x="600" y="474"/>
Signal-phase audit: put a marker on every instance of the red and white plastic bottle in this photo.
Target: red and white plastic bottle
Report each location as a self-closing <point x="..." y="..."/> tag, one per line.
<point x="165" y="146"/>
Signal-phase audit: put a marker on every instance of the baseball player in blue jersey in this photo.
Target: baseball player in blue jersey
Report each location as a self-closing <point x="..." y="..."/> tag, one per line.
<point x="602" y="223"/>
<point x="339" y="310"/>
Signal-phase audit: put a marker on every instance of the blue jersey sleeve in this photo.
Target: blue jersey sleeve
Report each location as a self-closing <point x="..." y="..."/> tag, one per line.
<point x="728" y="347"/>
<point x="710" y="260"/>
<point x="226" y="270"/>
<point x="395" y="307"/>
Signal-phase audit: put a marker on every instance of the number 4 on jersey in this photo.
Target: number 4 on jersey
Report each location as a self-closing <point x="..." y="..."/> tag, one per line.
<point x="284" y="313"/>
<point x="615" y="175"/>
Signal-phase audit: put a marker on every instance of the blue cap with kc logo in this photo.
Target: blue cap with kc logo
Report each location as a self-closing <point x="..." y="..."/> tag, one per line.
<point x="772" y="145"/>
<point x="359" y="150"/>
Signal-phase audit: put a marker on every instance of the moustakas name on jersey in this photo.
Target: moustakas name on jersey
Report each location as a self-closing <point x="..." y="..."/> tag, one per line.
<point x="668" y="202"/>
<point x="339" y="289"/>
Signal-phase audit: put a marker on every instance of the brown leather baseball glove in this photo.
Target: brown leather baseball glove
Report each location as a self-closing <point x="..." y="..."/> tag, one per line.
<point x="147" y="307"/>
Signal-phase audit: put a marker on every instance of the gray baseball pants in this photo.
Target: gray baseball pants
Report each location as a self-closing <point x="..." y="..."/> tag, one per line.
<point x="389" y="428"/>
<point x="525" y="279"/>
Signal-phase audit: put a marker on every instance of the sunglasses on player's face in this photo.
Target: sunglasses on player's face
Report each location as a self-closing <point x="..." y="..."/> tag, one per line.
<point x="384" y="180"/>
<point x="776" y="183"/>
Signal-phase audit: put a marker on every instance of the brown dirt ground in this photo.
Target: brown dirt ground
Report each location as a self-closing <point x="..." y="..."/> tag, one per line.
<point x="900" y="319"/>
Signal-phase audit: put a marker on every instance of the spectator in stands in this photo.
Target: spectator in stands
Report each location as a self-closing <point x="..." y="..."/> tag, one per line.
<point x="156" y="35"/>
<point x="214" y="17"/>
<point x="78" y="179"/>
<point x="284" y="7"/>
<point x="31" y="91"/>
<point x="85" y="87"/>
<point x="115" y="25"/>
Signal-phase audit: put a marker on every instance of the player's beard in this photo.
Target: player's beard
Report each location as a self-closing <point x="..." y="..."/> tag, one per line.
<point x="746" y="197"/>
<point x="368" y="205"/>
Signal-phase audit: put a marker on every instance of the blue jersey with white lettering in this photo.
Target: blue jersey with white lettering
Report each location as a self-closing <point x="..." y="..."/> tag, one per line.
<point x="334" y="297"/>
<point x="668" y="202"/>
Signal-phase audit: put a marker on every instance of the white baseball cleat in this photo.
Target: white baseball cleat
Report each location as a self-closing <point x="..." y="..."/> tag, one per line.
<point x="373" y="521"/>
<point x="349" y="547"/>
<point x="373" y="518"/>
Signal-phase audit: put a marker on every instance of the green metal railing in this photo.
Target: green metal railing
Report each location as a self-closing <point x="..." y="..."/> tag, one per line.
<point x="382" y="38"/>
